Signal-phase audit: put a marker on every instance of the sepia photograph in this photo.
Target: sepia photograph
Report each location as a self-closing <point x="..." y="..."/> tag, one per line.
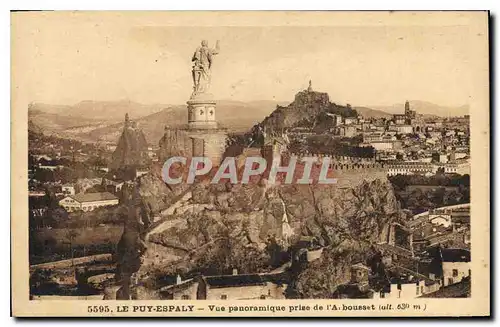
<point x="250" y="163"/>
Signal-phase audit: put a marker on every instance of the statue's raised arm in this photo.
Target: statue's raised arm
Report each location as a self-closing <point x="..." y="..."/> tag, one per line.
<point x="217" y="48"/>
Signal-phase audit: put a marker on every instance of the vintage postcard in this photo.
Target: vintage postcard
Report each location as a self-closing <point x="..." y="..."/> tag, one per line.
<point x="239" y="164"/>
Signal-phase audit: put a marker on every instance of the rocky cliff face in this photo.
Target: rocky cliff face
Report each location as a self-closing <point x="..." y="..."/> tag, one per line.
<point x="307" y="108"/>
<point x="172" y="144"/>
<point x="211" y="229"/>
<point x="321" y="277"/>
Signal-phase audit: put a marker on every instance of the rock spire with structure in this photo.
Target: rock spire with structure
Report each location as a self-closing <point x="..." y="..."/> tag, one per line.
<point x="132" y="148"/>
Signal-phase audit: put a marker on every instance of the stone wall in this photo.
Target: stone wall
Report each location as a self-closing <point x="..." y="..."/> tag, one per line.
<point x="173" y="143"/>
<point x="186" y="142"/>
<point x="214" y="143"/>
<point x="353" y="172"/>
<point x="71" y="262"/>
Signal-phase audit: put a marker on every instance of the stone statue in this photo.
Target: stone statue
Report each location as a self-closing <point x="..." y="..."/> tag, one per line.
<point x="202" y="64"/>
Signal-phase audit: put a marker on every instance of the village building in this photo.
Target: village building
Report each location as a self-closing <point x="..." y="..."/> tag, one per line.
<point x="461" y="217"/>
<point x="113" y="186"/>
<point x="440" y="219"/>
<point x="51" y="168"/>
<point x="337" y="119"/>
<point x="402" y="285"/>
<point x="458" y="290"/>
<point x="227" y="287"/>
<point x="68" y="189"/>
<point x="83" y="184"/>
<point x="358" y="286"/>
<point x="372" y="137"/>
<point x="384" y="145"/>
<point x="456" y="265"/>
<point x="141" y="172"/>
<point x="455" y="215"/>
<point x="347" y="131"/>
<point x="461" y="167"/>
<point x="88" y="201"/>
<point x="402" y="129"/>
<point x="350" y="120"/>
<point x="407" y="118"/>
<point x="399" y="119"/>
<point x="37" y="193"/>
<point x="408" y="286"/>
<point x="411" y="168"/>
<point x="440" y="157"/>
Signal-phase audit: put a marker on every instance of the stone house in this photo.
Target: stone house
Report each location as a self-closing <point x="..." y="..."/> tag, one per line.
<point x="358" y="286"/>
<point x="408" y="287"/>
<point x="227" y="287"/>
<point x="456" y="265"/>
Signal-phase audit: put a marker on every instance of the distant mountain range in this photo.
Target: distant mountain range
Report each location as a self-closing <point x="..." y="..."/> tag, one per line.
<point x="103" y="120"/>
<point x="372" y="113"/>
<point x="105" y="111"/>
<point x="425" y="108"/>
<point x="94" y="121"/>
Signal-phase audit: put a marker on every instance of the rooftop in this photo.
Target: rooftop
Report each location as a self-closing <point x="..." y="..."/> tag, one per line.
<point x="222" y="281"/>
<point x="234" y="280"/>
<point x="360" y="266"/>
<point x="177" y="287"/>
<point x="93" y="197"/>
<point x="461" y="289"/>
<point x="455" y="255"/>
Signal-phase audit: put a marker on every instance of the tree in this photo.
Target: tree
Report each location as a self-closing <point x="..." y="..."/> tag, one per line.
<point x="97" y="162"/>
<point x="70" y="236"/>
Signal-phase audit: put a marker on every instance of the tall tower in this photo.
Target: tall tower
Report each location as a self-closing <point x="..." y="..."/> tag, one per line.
<point x="407" y="109"/>
<point x="206" y="137"/>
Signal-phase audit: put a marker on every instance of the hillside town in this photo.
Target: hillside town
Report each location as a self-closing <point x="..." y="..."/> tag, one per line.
<point x="251" y="164"/>
<point x="105" y="223"/>
<point x="76" y="187"/>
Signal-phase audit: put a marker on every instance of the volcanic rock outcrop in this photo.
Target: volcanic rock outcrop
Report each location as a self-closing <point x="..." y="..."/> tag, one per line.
<point x="213" y="228"/>
<point x="308" y="107"/>
<point x="132" y="148"/>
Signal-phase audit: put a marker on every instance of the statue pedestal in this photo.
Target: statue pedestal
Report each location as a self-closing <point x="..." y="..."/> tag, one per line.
<point x="201" y="112"/>
<point x="202" y="137"/>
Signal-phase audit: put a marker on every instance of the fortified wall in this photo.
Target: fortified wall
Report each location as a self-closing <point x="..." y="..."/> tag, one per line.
<point x="352" y="171"/>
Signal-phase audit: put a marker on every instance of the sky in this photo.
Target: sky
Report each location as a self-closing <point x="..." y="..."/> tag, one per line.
<point x="70" y="58"/>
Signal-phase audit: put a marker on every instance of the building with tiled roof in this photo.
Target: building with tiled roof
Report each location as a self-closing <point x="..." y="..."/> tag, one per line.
<point x="227" y="287"/>
<point x="88" y="201"/>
